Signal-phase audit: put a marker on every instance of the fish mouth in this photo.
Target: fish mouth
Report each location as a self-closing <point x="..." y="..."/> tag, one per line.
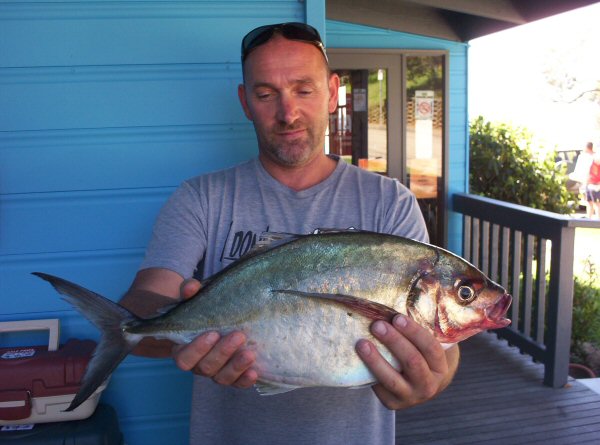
<point x="495" y="314"/>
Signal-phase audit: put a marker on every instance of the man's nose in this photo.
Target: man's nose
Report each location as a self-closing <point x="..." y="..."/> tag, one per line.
<point x="287" y="111"/>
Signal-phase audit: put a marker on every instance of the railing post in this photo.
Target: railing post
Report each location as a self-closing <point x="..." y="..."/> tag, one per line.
<point x="560" y="313"/>
<point x="551" y="341"/>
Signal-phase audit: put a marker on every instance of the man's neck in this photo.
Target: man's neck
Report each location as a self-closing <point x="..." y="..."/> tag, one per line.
<point x="300" y="177"/>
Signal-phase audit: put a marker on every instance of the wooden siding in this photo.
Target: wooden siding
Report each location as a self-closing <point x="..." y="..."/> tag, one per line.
<point x="105" y="107"/>
<point x="497" y="398"/>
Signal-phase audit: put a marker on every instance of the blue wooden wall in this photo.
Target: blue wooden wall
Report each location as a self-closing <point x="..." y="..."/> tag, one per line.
<point x="105" y="107"/>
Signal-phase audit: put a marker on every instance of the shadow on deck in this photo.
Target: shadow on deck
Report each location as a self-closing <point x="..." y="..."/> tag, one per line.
<point x="497" y="397"/>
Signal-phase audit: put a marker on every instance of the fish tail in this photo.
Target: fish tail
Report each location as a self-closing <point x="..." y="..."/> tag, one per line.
<point x="110" y="318"/>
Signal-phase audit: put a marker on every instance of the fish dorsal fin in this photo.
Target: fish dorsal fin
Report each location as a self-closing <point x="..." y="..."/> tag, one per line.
<point x="270" y="389"/>
<point x="323" y="230"/>
<point x="269" y="240"/>
<point x="366" y="385"/>
<point x="367" y="308"/>
<point x="265" y="242"/>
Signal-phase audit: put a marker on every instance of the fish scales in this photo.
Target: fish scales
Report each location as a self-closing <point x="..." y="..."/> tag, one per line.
<point x="303" y="304"/>
<point x="281" y="326"/>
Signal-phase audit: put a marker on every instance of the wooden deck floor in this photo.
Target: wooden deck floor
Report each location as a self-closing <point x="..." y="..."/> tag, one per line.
<point x="497" y="397"/>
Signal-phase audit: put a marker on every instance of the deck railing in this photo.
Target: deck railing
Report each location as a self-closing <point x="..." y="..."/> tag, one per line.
<point x="530" y="252"/>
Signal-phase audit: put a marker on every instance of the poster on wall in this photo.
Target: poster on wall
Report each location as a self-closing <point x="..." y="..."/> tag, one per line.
<point x="424" y="124"/>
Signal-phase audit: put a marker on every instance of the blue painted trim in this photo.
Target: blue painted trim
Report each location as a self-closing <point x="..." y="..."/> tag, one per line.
<point x="315" y="16"/>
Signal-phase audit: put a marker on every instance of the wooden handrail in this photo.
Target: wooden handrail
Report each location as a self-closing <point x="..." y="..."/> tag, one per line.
<point x="509" y="243"/>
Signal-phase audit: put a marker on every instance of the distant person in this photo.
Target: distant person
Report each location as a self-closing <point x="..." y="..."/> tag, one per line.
<point x="592" y="194"/>
<point x="581" y="174"/>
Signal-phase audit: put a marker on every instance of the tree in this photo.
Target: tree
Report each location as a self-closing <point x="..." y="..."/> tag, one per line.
<point x="568" y="88"/>
<point x="503" y="166"/>
<point x="568" y="75"/>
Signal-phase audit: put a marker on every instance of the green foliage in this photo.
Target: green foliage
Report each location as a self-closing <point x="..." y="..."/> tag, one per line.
<point x="504" y="167"/>
<point x="424" y="73"/>
<point x="586" y="311"/>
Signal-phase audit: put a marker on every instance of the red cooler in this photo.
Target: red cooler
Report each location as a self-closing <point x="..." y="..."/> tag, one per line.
<point x="37" y="383"/>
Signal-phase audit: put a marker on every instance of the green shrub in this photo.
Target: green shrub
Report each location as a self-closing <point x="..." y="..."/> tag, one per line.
<point x="586" y="306"/>
<point x="503" y="166"/>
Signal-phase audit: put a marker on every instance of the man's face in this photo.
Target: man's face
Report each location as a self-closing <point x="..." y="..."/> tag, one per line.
<point x="288" y="95"/>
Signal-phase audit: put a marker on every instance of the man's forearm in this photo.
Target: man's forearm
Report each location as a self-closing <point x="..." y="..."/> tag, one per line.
<point x="146" y="304"/>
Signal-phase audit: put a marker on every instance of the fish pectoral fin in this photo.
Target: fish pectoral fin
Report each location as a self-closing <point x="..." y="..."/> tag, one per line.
<point x="270" y="389"/>
<point x="367" y="308"/>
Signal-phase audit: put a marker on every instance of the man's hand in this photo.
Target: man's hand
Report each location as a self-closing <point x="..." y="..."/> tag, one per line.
<point x="426" y="369"/>
<point x="221" y="358"/>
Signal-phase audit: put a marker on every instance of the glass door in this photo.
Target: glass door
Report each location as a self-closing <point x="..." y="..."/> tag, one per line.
<point x="424" y="118"/>
<point x="390" y="120"/>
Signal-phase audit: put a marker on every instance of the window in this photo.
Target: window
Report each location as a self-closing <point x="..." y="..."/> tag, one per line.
<point x="358" y="128"/>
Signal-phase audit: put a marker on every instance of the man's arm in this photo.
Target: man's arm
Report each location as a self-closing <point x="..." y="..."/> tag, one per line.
<point x="221" y="358"/>
<point x="426" y="369"/>
<point x="152" y="290"/>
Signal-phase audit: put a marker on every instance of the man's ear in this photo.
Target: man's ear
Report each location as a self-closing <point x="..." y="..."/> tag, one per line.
<point x="334" y="86"/>
<point x="243" y="101"/>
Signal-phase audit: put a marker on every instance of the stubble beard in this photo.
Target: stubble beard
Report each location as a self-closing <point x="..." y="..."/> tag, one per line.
<point x="297" y="152"/>
<point x="293" y="153"/>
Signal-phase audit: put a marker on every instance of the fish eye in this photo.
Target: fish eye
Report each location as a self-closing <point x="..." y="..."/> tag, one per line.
<point x="466" y="293"/>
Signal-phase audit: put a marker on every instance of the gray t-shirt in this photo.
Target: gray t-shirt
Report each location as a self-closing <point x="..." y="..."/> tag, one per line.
<point x="216" y="218"/>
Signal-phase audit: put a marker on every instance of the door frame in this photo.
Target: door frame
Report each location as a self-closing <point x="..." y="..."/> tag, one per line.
<point x="394" y="60"/>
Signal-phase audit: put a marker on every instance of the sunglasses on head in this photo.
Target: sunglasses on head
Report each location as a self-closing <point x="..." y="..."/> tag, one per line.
<point x="292" y="31"/>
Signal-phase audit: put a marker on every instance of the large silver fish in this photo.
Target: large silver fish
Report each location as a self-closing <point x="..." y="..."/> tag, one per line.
<point x="322" y="290"/>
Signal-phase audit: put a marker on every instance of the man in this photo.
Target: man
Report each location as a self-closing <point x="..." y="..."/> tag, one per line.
<point x="288" y="93"/>
<point x="592" y="193"/>
<point x="581" y="174"/>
